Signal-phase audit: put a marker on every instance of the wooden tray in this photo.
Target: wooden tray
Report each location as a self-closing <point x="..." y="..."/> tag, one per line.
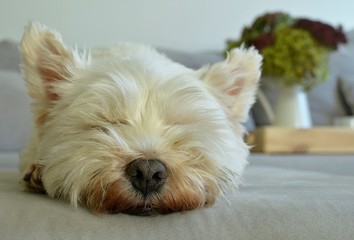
<point x="272" y="139"/>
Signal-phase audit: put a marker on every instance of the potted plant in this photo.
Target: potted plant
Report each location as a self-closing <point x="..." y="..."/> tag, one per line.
<point x="295" y="52"/>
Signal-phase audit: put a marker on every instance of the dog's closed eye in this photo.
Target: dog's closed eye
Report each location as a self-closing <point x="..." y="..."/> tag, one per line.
<point x="122" y="122"/>
<point x="114" y="121"/>
<point x="108" y="123"/>
<point x="103" y="129"/>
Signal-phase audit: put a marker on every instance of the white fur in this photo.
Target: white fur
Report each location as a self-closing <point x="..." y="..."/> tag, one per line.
<point x="125" y="102"/>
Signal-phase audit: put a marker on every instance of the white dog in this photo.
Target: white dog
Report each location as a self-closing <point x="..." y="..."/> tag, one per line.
<point x="125" y="129"/>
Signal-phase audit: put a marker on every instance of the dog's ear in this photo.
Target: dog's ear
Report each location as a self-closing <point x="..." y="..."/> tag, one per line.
<point x="235" y="81"/>
<point x="47" y="65"/>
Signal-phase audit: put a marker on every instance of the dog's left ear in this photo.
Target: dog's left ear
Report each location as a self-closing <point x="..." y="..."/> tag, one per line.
<point x="45" y="60"/>
<point x="235" y="81"/>
<point x="47" y="66"/>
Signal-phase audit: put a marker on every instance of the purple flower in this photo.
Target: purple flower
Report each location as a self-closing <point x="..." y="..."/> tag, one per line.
<point x="263" y="41"/>
<point x="323" y="33"/>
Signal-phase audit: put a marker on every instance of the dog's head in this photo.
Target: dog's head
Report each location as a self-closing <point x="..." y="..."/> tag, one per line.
<point x="125" y="129"/>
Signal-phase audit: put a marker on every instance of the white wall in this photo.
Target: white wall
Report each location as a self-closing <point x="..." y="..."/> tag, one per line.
<point x="191" y="25"/>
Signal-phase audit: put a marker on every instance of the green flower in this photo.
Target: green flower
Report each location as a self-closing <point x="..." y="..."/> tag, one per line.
<point x="295" y="57"/>
<point x="295" y="50"/>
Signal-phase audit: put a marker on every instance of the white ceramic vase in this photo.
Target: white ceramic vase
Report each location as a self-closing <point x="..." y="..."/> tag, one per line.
<point x="292" y="108"/>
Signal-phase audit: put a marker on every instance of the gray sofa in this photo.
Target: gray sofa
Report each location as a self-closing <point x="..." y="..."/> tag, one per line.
<point x="282" y="197"/>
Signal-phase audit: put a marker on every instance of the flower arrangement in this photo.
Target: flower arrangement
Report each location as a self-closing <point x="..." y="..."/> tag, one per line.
<point x="295" y="50"/>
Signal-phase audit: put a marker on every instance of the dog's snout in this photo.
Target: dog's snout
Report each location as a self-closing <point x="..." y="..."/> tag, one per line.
<point x="146" y="175"/>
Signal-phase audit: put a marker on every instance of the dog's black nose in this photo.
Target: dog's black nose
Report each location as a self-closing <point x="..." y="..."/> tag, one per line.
<point x="146" y="176"/>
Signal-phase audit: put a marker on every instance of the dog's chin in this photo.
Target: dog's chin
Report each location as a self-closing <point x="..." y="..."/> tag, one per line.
<point x="142" y="211"/>
<point x="148" y="210"/>
<point x="151" y="210"/>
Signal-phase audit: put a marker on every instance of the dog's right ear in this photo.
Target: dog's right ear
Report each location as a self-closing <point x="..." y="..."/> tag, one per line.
<point x="47" y="65"/>
<point x="234" y="82"/>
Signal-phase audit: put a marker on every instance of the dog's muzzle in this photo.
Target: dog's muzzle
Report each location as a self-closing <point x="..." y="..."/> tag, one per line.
<point x="146" y="175"/>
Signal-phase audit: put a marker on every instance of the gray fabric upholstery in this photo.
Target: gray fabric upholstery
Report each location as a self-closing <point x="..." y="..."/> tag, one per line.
<point x="347" y="87"/>
<point x="333" y="164"/>
<point x="15" y="117"/>
<point x="9" y="56"/>
<point x="275" y="203"/>
<point x="194" y="60"/>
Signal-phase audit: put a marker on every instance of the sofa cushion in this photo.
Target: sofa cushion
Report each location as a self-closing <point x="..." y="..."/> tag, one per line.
<point x="347" y="89"/>
<point x="15" y="116"/>
<point x="275" y="203"/>
<point x="9" y="56"/>
<point x="193" y="60"/>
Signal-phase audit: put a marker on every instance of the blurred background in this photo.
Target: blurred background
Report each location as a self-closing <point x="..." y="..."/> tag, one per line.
<point x="188" y="25"/>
